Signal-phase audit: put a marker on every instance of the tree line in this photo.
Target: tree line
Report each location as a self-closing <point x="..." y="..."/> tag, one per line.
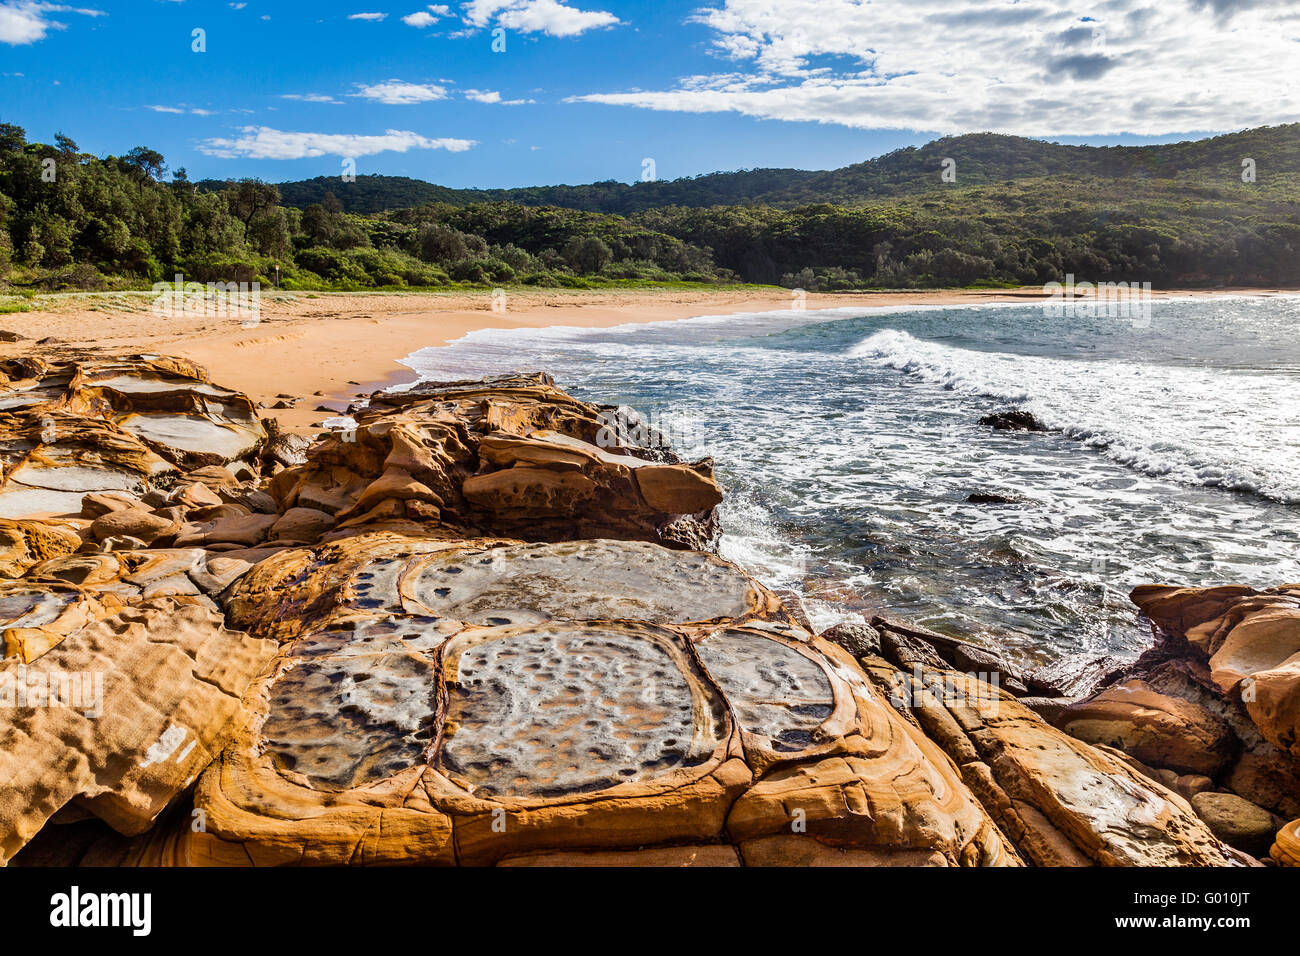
<point x="71" y="220"/>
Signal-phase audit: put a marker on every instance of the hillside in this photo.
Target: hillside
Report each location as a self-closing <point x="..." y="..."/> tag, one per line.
<point x="1021" y="212"/>
<point x="981" y="158"/>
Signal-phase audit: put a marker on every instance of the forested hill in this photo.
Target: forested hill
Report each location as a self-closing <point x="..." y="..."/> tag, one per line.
<point x="980" y="158"/>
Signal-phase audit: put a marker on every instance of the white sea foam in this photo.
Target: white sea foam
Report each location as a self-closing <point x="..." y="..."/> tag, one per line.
<point x="1215" y="427"/>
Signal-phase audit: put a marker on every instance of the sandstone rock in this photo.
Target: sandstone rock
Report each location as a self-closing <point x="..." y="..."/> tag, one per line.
<point x="25" y="543"/>
<point x="301" y="526"/>
<point x="1157" y="729"/>
<point x="146" y="699"/>
<point x="860" y="640"/>
<point x="1237" y="822"/>
<point x="1060" y="800"/>
<point x="1252" y="642"/>
<point x="1286" y="849"/>
<point x="141" y="525"/>
<point x="442" y="688"/>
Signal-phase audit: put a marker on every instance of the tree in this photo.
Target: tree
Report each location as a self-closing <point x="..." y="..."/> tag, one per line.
<point x="12" y="138"/>
<point x="147" y="163"/>
<point x="587" y="254"/>
<point x="248" y="197"/>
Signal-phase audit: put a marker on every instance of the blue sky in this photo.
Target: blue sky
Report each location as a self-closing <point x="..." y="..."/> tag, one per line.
<point x="588" y="89"/>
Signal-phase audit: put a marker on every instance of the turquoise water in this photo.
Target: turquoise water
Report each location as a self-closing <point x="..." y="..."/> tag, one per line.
<point x="848" y="442"/>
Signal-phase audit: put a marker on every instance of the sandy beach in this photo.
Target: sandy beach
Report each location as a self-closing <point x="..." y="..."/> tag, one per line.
<point x="320" y="351"/>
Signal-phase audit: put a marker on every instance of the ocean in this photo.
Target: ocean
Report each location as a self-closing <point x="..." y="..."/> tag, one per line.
<point x="848" y="443"/>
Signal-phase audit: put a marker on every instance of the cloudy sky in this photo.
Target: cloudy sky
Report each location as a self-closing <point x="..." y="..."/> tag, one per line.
<point x="587" y="89"/>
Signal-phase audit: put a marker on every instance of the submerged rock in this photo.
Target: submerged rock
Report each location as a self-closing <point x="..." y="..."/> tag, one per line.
<point x="1014" y="420"/>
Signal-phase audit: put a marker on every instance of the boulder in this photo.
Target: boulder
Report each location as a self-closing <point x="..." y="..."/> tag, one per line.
<point x="1286" y="848"/>
<point x="136" y="523"/>
<point x="1251" y="642"/>
<point x="1157" y="729"/>
<point x="1062" y="801"/>
<point x="1237" y="822"/>
<point x="301" y="526"/>
<point x="1013" y="420"/>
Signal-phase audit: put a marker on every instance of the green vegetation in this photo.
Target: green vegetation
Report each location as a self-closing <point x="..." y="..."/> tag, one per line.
<point x="1021" y="212"/>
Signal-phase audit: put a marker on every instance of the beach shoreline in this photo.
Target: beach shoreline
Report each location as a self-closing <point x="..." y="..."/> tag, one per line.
<point x="310" y="355"/>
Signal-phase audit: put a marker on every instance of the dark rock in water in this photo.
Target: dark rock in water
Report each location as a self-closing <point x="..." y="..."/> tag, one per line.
<point x="1048" y="708"/>
<point x="1014" y="420"/>
<point x="860" y="640"/>
<point x="7" y="336"/>
<point x="906" y="651"/>
<point x="992" y="498"/>
<point x="944" y="644"/>
<point x="1074" y="677"/>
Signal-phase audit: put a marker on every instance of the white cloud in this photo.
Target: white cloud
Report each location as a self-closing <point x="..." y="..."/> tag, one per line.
<point x="1033" y="67"/>
<point x="262" y="142"/>
<point x="422" y="19"/>
<point x="367" y="16"/>
<point x="311" y="98"/>
<point x="491" y="96"/>
<point x="25" y="21"/>
<point x="197" y="111"/>
<point x="236" y="6"/>
<point x="399" y="93"/>
<point x="551" y="17"/>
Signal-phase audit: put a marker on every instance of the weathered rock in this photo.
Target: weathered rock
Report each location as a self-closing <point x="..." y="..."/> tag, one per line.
<point x="1251" y="640"/>
<point x="106" y="427"/>
<point x="1237" y="822"/>
<point x="25" y="543"/>
<point x="859" y="639"/>
<point x="145" y="698"/>
<point x="53" y="460"/>
<point x="1286" y="849"/>
<point x="36" y="617"/>
<point x="142" y="525"/>
<point x="1060" y="800"/>
<point x="1074" y="677"/>
<point x="1155" y="728"/>
<point x="442" y="689"/>
<point x="512" y="456"/>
